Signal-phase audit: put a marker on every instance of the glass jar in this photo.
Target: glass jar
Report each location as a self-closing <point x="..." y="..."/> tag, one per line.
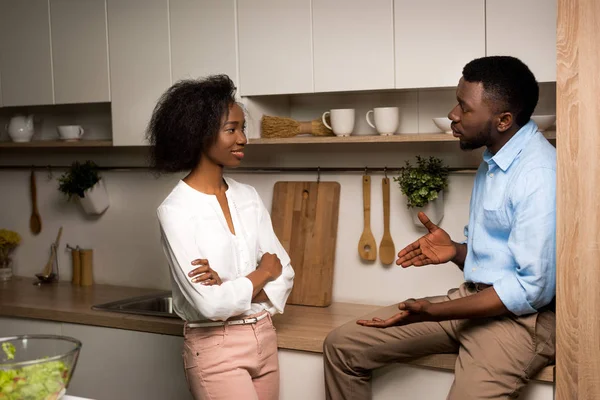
<point x="6" y="269"/>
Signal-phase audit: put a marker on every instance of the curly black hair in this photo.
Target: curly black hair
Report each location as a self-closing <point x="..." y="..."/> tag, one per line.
<point x="508" y="82"/>
<point x="186" y="121"/>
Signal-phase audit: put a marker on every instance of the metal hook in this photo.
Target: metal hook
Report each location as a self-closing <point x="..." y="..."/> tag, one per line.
<point x="366" y="172"/>
<point x="385" y="171"/>
<point x="318" y="174"/>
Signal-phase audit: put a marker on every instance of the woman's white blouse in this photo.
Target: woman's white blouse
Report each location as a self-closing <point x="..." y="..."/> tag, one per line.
<point x="193" y="226"/>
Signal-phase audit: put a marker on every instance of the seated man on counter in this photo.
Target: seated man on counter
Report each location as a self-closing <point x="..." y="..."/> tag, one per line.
<point x="501" y="321"/>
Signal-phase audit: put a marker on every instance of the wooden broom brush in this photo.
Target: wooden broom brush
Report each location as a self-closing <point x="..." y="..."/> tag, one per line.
<point x="281" y="127"/>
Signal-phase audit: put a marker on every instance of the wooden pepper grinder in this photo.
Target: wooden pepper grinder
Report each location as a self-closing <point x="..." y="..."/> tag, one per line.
<point x="76" y="263"/>
<point x="87" y="267"/>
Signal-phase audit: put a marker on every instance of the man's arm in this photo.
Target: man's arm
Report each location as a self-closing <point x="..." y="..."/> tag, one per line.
<point x="461" y="255"/>
<point x="484" y="304"/>
<point x="532" y="242"/>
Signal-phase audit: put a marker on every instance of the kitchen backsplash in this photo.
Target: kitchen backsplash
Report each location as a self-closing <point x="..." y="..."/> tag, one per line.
<point x="126" y="243"/>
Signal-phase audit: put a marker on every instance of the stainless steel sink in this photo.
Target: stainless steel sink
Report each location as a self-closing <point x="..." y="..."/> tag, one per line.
<point x="155" y="305"/>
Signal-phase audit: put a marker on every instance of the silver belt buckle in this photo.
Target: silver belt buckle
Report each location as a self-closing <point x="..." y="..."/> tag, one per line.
<point x="245" y="321"/>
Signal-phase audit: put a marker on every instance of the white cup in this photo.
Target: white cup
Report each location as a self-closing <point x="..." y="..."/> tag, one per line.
<point x="342" y="121"/>
<point x="387" y="120"/>
<point x="70" y="132"/>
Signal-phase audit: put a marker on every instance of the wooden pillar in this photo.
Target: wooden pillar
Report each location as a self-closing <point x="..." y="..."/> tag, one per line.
<point x="578" y="201"/>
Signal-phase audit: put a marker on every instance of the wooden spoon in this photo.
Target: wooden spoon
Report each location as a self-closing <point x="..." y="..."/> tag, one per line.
<point x="48" y="269"/>
<point x="387" y="251"/>
<point x="35" y="222"/>
<point x="367" y="247"/>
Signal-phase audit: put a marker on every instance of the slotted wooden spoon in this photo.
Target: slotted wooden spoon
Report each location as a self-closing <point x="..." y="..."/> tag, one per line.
<point x="367" y="247"/>
<point x="387" y="251"/>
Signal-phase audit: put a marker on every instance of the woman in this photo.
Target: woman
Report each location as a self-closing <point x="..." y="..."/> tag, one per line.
<point x="229" y="271"/>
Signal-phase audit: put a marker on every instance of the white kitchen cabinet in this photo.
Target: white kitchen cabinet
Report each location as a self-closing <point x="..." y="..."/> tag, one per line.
<point x="275" y="46"/>
<point x="138" y="37"/>
<point x="25" y="62"/>
<point x="79" y="51"/>
<point x="121" y="364"/>
<point x="22" y="326"/>
<point x="526" y="30"/>
<point x="202" y="38"/>
<point x="353" y="45"/>
<point x="433" y="42"/>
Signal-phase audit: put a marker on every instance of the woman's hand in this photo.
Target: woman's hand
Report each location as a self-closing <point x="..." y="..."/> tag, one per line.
<point x="204" y="274"/>
<point x="270" y="264"/>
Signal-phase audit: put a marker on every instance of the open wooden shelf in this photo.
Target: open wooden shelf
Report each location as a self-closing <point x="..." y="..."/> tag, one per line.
<point x="399" y="138"/>
<point x="57" y="143"/>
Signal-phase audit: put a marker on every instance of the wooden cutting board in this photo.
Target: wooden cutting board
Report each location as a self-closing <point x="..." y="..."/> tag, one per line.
<point x="305" y="219"/>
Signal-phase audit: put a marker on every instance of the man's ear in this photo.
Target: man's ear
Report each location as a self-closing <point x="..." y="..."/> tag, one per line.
<point x="505" y="122"/>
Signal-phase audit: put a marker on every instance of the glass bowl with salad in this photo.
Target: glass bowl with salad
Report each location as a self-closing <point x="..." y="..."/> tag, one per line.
<point x="36" y="367"/>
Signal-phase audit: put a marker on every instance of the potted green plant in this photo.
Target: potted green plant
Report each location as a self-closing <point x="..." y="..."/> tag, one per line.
<point x="423" y="185"/>
<point x="9" y="241"/>
<point x="83" y="182"/>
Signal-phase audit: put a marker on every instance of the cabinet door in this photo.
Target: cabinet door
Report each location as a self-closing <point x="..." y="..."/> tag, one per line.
<point x="79" y="51"/>
<point x="138" y="33"/>
<point x="26" y="63"/>
<point x="435" y="39"/>
<point x="353" y="45"/>
<point x="121" y="364"/>
<point x="195" y="50"/>
<point x="526" y="30"/>
<point x="275" y="53"/>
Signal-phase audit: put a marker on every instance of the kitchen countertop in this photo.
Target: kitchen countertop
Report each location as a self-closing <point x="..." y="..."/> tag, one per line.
<point x="300" y="328"/>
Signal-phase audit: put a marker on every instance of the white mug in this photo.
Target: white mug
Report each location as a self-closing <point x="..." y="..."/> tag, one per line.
<point x="387" y="120"/>
<point x="70" y="132"/>
<point x="342" y="121"/>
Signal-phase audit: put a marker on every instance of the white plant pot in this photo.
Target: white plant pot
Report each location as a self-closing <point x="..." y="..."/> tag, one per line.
<point x="95" y="200"/>
<point x="434" y="211"/>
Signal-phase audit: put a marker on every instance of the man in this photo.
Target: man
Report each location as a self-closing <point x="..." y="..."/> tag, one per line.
<point x="500" y="321"/>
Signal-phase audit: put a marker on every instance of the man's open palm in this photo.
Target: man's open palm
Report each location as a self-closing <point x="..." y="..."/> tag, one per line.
<point x="435" y="247"/>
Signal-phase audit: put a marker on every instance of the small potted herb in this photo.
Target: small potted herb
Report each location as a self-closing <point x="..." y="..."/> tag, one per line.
<point x="83" y="182"/>
<point x="423" y="187"/>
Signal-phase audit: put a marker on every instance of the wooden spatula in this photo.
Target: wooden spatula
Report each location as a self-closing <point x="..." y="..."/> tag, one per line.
<point x="35" y="221"/>
<point x="367" y="247"/>
<point x="387" y="251"/>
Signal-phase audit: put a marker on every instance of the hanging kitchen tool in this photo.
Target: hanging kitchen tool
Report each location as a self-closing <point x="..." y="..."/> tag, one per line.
<point x="305" y="219"/>
<point x="35" y="221"/>
<point x="367" y="247"/>
<point x="387" y="251"/>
